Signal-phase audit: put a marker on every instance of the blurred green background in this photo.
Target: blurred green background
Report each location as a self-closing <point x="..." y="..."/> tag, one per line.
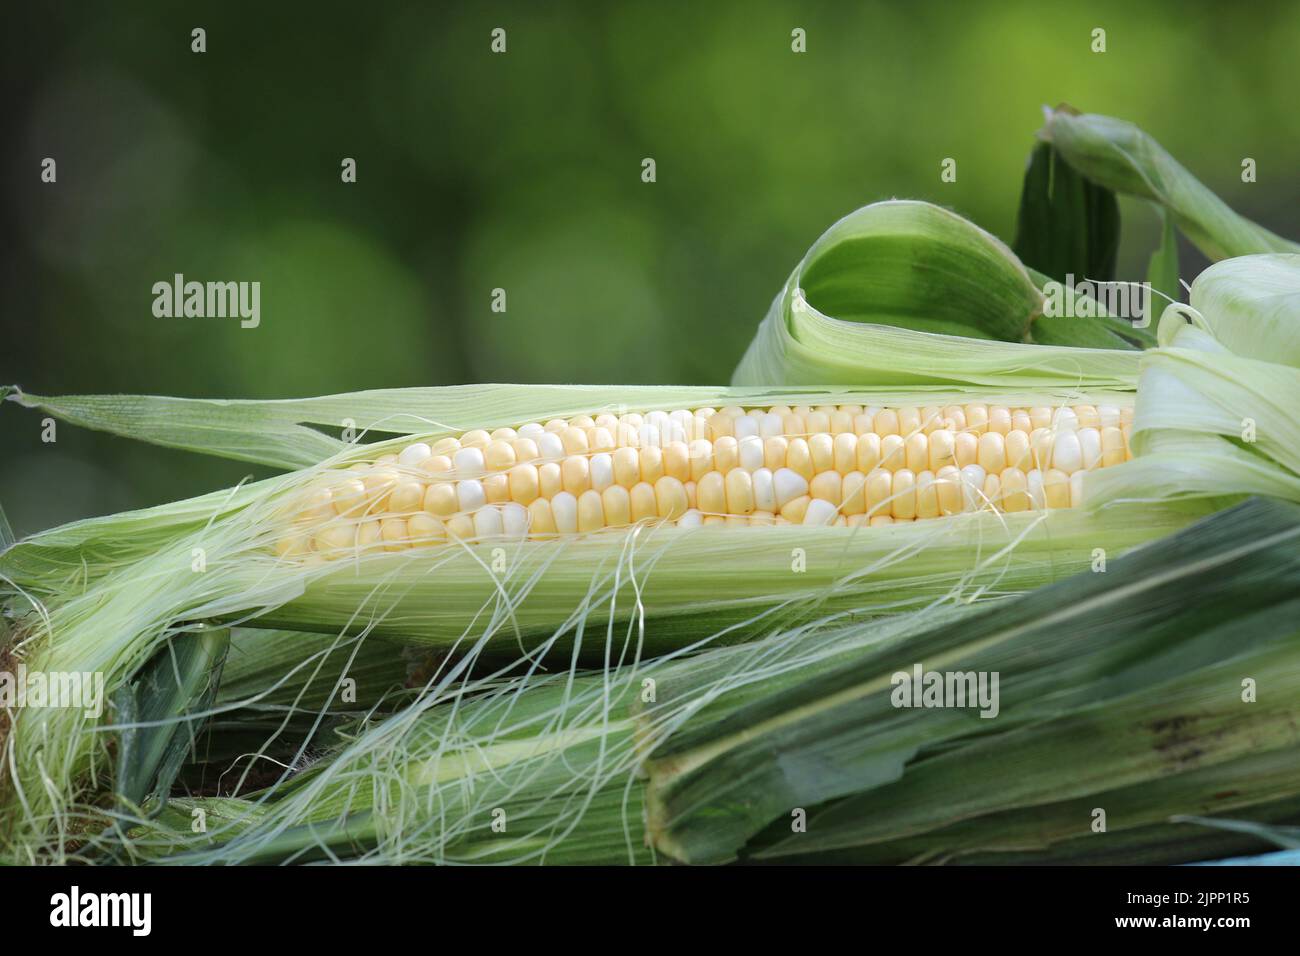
<point x="522" y="171"/>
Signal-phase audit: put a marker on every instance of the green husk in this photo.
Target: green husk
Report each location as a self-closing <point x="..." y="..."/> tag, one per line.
<point x="1112" y="684"/>
<point x="907" y="293"/>
<point x="1215" y="412"/>
<point x="1121" y="157"/>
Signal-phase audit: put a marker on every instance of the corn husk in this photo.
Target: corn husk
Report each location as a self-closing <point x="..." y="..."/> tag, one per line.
<point x="1121" y="691"/>
<point x="908" y="293"/>
<point x="1120" y="156"/>
<point x="1215" y="409"/>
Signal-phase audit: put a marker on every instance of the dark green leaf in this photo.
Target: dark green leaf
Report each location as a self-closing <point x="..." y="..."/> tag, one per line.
<point x="180" y="680"/>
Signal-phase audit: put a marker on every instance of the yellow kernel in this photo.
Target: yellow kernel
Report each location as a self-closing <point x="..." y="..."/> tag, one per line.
<point x="394" y="534"/>
<point x="799" y="458"/>
<point x="927" y="495"/>
<point x="795" y="509"/>
<point x="627" y="466"/>
<point x="618" y="506"/>
<point x="903" y="504"/>
<point x="440" y="499"/>
<point x="436" y="465"/>
<point x="591" y="511"/>
<point x="1015" y="496"/>
<point x="477" y="438"/>
<point x="425" y="529"/>
<point x="846" y="452"/>
<point x="574" y="441"/>
<point x="947" y="483"/>
<point x="575" y="475"/>
<point x="677" y="461"/>
<point x="828" y="486"/>
<point x="1056" y="488"/>
<point x="496" y="488"/>
<point x="841" y="423"/>
<point x="916" y="450"/>
<point x="740" y="492"/>
<point x="406" y="496"/>
<point x="652" y="464"/>
<point x="775" y="451"/>
<point x="886" y="421"/>
<point x="880" y="485"/>
<point x="999" y="419"/>
<point x="541" y="521"/>
<point x="370" y="535"/>
<point x="893" y="452"/>
<point x="670" y="497"/>
<point x="644" y="504"/>
<point x="942" y="449"/>
<point x="909" y="421"/>
<point x="550" y="480"/>
<point x="992" y="455"/>
<point x="461" y="527"/>
<point x="1018" y="451"/>
<point x="1112" y="447"/>
<point x="821" y="447"/>
<point x="524" y="484"/>
<point x="853" y="494"/>
<point x="868" y="452"/>
<point x="726" y="454"/>
<point x="498" y="455"/>
<point x="721" y="425"/>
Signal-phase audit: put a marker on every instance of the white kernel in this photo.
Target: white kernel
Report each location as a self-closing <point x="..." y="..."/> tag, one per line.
<point x="751" y="452"/>
<point x="564" y="508"/>
<point x="602" y="471"/>
<point x="487" y="523"/>
<point x="764" y="490"/>
<point x="470" y="494"/>
<point x="469" y="461"/>
<point x="514" y="520"/>
<point x="788" y="485"/>
<point x="549" y="446"/>
<point x="746" y="426"/>
<point x="412" y="455"/>
<point x="820" y="512"/>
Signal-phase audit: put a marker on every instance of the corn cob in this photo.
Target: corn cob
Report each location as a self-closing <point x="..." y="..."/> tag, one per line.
<point x="844" y="465"/>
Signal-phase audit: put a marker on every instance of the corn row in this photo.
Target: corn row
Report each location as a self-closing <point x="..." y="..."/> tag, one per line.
<point x="845" y="465"/>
